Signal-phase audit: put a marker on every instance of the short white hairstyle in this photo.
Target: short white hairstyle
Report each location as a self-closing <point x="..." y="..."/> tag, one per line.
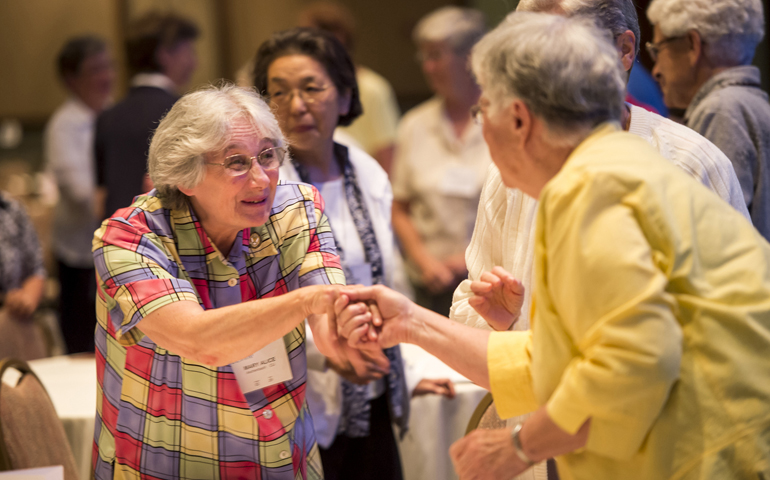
<point x="566" y="70"/>
<point x="616" y="16"/>
<point x="731" y="29"/>
<point x="460" y="27"/>
<point x="199" y="124"/>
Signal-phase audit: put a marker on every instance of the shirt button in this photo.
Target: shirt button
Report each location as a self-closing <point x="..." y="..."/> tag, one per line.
<point x="284" y="454"/>
<point x="232" y="282"/>
<point x="255" y="240"/>
<point x="268" y="414"/>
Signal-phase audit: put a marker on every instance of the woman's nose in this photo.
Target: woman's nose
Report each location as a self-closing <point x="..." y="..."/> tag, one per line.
<point x="257" y="174"/>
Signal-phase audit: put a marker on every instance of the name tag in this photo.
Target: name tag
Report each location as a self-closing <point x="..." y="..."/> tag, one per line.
<point x="266" y="367"/>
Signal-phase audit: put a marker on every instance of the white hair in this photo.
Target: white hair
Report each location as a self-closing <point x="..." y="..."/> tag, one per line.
<point x="616" y="16"/>
<point x="460" y="27"/>
<point x="198" y="124"/>
<point x="731" y="29"/>
<point x="565" y="70"/>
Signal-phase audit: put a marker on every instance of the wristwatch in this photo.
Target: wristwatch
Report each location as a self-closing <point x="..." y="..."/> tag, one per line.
<point x="517" y="445"/>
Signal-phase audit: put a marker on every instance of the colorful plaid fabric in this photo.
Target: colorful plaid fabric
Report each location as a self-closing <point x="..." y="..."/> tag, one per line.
<point x="162" y="416"/>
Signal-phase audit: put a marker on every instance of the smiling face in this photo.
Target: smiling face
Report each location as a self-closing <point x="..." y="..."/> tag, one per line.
<point x="305" y="101"/>
<point x="225" y="204"/>
<point x="94" y="81"/>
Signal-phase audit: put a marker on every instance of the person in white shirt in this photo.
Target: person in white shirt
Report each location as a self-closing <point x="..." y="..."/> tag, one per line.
<point x="440" y="159"/>
<point x="87" y="71"/>
<point x="310" y="82"/>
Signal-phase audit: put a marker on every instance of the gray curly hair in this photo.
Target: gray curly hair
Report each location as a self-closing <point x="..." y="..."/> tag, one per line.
<point x="731" y="29"/>
<point x="200" y="124"/>
<point x="566" y="70"/>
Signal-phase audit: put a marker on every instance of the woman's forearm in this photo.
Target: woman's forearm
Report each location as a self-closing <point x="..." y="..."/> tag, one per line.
<point x="461" y="347"/>
<point x="221" y="336"/>
<point x="541" y="438"/>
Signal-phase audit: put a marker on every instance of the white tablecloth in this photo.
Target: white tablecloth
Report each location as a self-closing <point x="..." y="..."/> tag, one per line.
<point x="435" y="423"/>
<point x="71" y="384"/>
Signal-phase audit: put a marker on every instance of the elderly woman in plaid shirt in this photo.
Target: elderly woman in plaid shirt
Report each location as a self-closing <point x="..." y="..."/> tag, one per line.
<point x="218" y="262"/>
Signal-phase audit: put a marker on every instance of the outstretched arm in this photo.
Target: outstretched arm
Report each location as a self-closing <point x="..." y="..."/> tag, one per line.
<point x="404" y="322"/>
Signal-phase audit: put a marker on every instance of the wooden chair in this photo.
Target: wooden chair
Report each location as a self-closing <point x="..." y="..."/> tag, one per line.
<point x="31" y="434"/>
<point x="485" y="417"/>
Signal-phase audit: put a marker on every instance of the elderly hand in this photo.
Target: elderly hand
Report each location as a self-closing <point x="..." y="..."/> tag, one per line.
<point x="363" y="365"/>
<point x="436" y="275"/>
<point x="498" y="298"/>
<point x="486" y="454"/>
<point x="21" y="304"/>
<point x="436" y="386"/>
<point x="385" y="320"/>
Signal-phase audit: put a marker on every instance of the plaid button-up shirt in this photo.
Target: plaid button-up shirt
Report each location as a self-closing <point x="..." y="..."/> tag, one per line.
<point x="163" y="416"/>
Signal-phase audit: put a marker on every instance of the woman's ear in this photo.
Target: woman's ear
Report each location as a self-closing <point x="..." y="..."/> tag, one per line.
<point x="695" y="51"/>
<point x="343" y="102"/>
<point x="626" y="45"/>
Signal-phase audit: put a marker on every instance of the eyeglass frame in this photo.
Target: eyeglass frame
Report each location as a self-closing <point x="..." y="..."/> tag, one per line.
<point x="653" y="49"/>
<point x="234" y="173"/>
<point x="302" y="96"/>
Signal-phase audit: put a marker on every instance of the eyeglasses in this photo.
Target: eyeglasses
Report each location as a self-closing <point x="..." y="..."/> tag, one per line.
<point x="654" y="48"/>
<point x="477" y="115"/>
<point x="309" y="94"/>
<point x="268" y="159"/>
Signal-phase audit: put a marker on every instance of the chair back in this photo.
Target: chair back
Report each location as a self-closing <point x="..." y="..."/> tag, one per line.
<point x="485" y="416"/>
<point x="31" y="434"/>
<point x="22" y="339"/>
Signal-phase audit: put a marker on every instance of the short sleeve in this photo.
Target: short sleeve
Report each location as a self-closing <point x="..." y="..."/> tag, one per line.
<point x="600" y="286"/>
<point x="403" y="190"/>
<point x="321" y="265"/>
<point x="135" y="274"/>
<point x="29" y="244"/>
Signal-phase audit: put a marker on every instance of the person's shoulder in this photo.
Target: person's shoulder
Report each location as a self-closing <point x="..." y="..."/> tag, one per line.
<point x="372" y="79"/>
<point x="289" y="193"/>
<point x="428" y="109"/>
<point x="68" y="116"/>
<point x="145" y="216"/>
<point x="686" y="142"/>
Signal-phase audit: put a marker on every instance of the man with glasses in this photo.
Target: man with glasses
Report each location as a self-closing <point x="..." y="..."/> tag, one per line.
<point x="703" y="51"/>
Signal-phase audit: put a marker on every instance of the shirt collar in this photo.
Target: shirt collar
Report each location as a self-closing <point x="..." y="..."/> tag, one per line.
<point x="192" y="240"/>
<point x="746" y="76"/>
<point x="157" y="80"/>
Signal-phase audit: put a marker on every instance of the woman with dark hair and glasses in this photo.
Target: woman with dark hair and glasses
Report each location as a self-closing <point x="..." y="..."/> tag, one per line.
<point x="310" y="82"/>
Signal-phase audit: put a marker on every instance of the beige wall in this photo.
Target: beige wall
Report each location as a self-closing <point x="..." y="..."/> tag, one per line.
<point x="31" y="33"/>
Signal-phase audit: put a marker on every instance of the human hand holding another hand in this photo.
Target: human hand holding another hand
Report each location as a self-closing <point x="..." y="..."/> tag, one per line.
<point x="498" y="298"/>
<point x="377" y="315"/>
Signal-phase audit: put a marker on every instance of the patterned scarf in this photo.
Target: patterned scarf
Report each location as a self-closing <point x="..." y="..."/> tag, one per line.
<point x="356" y="410"/>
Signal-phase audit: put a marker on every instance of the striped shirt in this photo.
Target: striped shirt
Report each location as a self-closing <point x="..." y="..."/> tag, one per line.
<point x="160" y="415"/>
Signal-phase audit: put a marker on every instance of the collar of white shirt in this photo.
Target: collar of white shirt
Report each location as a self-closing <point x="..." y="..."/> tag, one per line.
<point x="157" y="80"/>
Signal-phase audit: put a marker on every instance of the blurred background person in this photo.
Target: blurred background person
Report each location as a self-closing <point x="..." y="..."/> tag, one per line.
<point x="310" y="82"/>
<point x="161" y="57"/>
<point x="22" y="283"/>
<point x="440" y="160"/>
<point x="375" y="129"/>
<point x="87" y="71"/>
<point x="703" y="51"/>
